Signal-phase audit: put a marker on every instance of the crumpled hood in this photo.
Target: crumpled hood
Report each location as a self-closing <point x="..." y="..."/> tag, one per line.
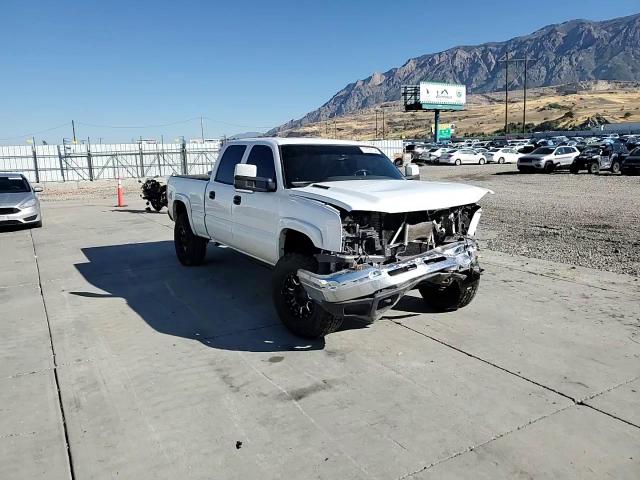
<point x="8" y="200"/>
<point x="392" y="196"/>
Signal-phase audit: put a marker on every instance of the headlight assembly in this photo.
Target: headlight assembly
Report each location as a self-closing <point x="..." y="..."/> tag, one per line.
<point x="28" y="203"/>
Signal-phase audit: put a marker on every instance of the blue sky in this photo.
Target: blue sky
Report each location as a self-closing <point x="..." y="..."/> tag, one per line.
<point x="243" y="65"/>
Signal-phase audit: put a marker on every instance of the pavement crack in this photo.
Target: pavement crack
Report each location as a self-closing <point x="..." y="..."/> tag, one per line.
<point x="575" y="401"/>
<point x="482" y="444"/>
<point x="55" y="364"/>
<point x="464" y="352"/>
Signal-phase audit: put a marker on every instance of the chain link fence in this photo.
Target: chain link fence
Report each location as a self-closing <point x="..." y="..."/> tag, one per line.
<point x="62" y="163"/>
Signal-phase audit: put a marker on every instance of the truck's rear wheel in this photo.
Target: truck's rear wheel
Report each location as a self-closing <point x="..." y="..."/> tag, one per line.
<point x="450" y="297"/>
<point x="190" y="248"/>
<point x="296" y="309"/>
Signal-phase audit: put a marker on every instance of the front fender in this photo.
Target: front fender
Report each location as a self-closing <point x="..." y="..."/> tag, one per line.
<point x="319" y="221"/>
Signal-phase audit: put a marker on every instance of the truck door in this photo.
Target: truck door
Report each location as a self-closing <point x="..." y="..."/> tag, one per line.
<point x="256" y="214"/>
<point x="218" y="196"/>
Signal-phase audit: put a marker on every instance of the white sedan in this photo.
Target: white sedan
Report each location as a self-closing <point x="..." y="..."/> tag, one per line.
<point x="503" y="155"/>
<point x="463" y="155"/>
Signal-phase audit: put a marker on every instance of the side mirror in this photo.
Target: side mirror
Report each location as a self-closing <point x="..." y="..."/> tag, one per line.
<point x="412" y="172"/>
<point x="245" y="178"/>
<point x="38" y="189"/>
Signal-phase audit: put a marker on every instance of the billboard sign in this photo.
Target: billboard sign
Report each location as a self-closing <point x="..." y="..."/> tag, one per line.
<point x="442" y="96"/>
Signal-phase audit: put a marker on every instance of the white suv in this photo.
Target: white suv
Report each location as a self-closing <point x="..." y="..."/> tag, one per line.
<point x="548" y="159"/>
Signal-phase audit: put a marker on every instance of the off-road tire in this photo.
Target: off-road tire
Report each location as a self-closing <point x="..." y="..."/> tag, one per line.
<point x="615" y="166"/>
<point x="190" y="248"/>
<point x="594" y="168"/>
<point x="157" y="205"/>
<point x="452" y="297"/>
<point x="315" y="324"/>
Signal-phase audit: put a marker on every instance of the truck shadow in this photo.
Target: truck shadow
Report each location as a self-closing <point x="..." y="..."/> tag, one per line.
<point x="224" y="304"/>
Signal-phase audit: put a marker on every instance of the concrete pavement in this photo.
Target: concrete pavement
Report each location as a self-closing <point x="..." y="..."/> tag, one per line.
<point x="168" y="372"/>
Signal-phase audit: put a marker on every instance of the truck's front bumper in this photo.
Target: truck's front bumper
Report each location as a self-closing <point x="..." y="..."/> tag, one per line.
<point x="370" y="291"/>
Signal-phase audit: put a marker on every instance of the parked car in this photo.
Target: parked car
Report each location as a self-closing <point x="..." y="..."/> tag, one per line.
<point x="607" y="156"/>
<point x="19" y="204"/>
<point x="631" y="163"/>
<point x="547" y="159"/>
<point x="463" y="155"/>
<point x="346" y="233"/>
<point x="503" y="155"/>
<point x="436" y="153"/>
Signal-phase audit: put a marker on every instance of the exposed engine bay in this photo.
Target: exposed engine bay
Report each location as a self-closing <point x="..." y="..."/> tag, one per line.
<point x="382" y="238"/>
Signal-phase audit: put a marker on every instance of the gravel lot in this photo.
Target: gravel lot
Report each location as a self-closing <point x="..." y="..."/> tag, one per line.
<point x="586" y="220"/>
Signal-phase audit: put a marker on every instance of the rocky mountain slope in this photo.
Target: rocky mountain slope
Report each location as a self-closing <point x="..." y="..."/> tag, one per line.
<point x="577" y="50"/>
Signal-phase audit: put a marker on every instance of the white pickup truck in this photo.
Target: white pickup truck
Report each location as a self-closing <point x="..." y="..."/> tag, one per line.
<point x="348" y="235"/>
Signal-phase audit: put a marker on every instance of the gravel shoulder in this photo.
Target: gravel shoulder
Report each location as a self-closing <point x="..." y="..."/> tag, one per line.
<point x="586" y="220"/>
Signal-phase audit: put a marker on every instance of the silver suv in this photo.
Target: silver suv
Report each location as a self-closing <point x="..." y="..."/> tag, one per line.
<point x="548" y="159"/>
<point x="19" y="204"/>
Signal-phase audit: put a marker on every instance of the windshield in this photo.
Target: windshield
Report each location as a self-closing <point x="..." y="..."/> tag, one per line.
<point x="306" y="164"/>
<point x="543" y="151"/>
<point x="13" y="185"/>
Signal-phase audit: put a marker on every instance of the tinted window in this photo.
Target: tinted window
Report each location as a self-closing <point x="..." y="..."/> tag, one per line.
<point x="231" y="156"/>
<point x="262" y="157"/>
<point x="13" y="185"/>
<point x="305" y="164"/>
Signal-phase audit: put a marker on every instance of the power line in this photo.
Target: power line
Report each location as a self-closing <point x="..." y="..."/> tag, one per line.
<point x="32" y="134"/>
<point x="138" y="126"/>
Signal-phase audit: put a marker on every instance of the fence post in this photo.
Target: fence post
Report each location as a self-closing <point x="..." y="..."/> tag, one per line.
<point x="89" y="161"/>
<point x="141" y="161"/>
<point x="183" y="152"/>
<point x="61" y="163"/>
<point x="35" y="161"/>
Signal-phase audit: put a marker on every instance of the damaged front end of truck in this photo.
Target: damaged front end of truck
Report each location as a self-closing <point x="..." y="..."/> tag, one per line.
<point x="384" y="255"/>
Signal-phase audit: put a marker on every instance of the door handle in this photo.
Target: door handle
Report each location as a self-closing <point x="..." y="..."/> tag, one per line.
<point x="237" y="199"/>
<point x="212" y="194"/>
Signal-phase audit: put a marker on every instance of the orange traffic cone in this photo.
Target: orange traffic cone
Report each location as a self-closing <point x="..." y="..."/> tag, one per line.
<point x="120" y="193"/>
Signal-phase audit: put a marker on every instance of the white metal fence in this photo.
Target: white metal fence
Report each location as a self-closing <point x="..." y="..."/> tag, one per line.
<point x="60" y="163"/>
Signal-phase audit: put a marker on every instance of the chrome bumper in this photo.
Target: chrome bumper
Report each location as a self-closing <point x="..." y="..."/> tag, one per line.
<point x="387" y="283"/>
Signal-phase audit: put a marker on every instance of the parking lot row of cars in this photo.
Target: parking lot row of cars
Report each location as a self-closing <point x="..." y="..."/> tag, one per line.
<point x="617" y="154"/>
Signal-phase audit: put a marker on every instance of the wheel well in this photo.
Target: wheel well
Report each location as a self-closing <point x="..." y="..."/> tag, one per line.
<point x="178" y="208"/>
<point x="293" y="241"/>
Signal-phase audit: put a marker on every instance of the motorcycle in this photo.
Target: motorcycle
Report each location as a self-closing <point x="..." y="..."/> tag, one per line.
<point x="155" y="194"/>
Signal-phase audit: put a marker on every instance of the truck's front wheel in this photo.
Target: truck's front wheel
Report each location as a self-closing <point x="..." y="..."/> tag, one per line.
<point x="190" y="248"/>
<point x="451" y="297"/>
<point x="296" y="309"/>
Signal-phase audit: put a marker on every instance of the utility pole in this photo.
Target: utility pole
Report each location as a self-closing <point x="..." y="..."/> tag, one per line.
<point x="376" y="112"/>
<point x="201" y="129"/>
<point x="506" y="61"/>
<point x="383" y="126"/>
<point x="506" y="94"/>
<point x="73" y="127"/>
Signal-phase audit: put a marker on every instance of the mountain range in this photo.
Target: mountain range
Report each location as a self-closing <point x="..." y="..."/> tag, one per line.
<point x="573" y="51"/>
